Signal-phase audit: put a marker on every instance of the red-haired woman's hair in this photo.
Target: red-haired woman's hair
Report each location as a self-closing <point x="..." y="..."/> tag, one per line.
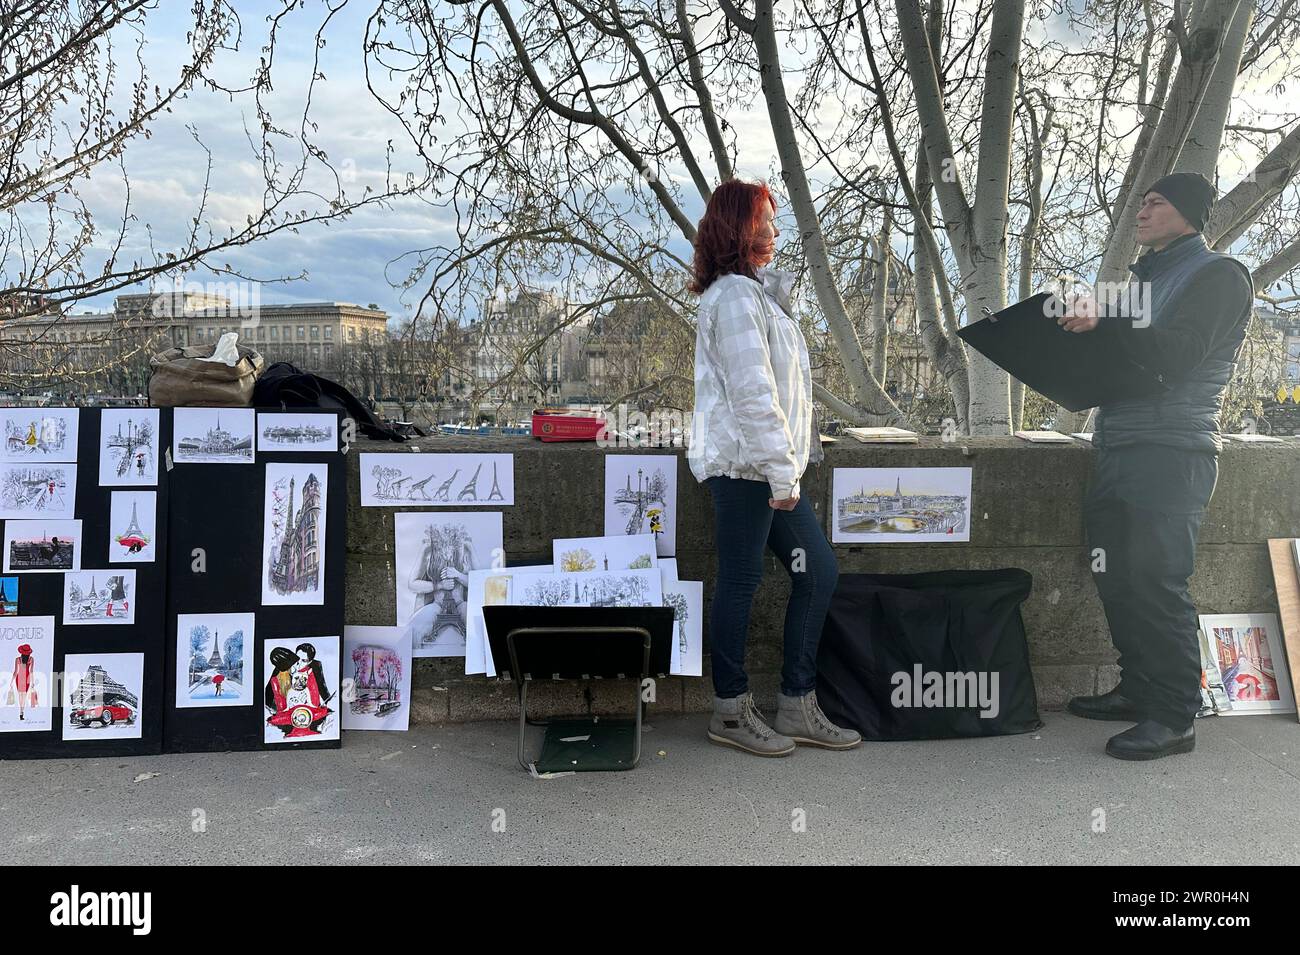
<point x="727" y="239"/>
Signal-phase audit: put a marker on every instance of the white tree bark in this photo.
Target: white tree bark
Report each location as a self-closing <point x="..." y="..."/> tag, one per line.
<point x="878" y="326"/>
<point x="1201" y="151"/>
<point x="866" y="389"/>
<point x="1235" y="212"/>
<point x="978" y="233"/>
<point x="1200" y="53"/>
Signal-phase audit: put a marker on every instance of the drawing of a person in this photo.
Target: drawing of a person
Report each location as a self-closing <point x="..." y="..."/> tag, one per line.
<point x="116" y="589"/>
<point x="297" y="691"/>
<point x="277" y="684"/>
<point x="21" y="685"/>
<point x="216" y="684"/>
<point x="440" y="584"/>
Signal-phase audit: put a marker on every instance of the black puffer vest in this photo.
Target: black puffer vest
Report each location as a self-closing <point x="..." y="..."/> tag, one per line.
<point x="1187" y="414"/>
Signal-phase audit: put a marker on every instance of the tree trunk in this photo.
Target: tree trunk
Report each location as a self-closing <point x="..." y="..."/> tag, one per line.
<point x="1201" y="151"/>
<point x="878" y="325"/>
<point x="866" y="389"/>
<point x="979" y="234"/>
<point x="1185" y="98"/>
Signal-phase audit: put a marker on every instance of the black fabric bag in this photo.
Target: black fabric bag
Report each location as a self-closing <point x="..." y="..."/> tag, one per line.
<point x="902" y="653"/>
<point x="284" y="386"/>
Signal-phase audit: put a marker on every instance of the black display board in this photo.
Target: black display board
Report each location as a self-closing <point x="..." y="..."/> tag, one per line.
<point x="42" y="594"/>
<point x="572" y="651"/>
<point x="216" y="566"/>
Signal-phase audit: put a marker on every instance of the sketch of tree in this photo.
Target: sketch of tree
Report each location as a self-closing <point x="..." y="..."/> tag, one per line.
<point x="577" y="560"/>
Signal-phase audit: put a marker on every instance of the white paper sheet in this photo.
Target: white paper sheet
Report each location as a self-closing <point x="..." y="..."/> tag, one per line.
<point x="99" y="597"/>
<point x="42" y="547"/>
<point x="214" y="659"/>
<point x="213" y="435"/>
<point x="132" y="527"/>
<point x="294" y="534"/>
<point x="103" y="696"/>
<point x="1252" y="658"/>
<point x="26" y="686"/>
<point x="613" y="552"/>
<point x="38" y="491"/>
<point x="128" y="447"/>
<point x="38" y="435"/>
<point x="641" y="497"/>
<point x="435" y="551"/>
<point x="436" y="479"/>
<point x="376" y="678"/>
<point x="297" y="431"/>
<point x="912" y="505"/>
<point x="488" y="588"/>
<point x="304" y="688"/>
<point x="686" y="597"/>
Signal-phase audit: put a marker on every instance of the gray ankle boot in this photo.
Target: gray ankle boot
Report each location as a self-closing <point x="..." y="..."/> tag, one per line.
<point x="801" y="719"/>
<point x="737" y="722"/>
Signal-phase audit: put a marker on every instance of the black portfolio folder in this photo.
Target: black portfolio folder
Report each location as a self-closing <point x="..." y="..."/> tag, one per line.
<point x="1076" y="370"/>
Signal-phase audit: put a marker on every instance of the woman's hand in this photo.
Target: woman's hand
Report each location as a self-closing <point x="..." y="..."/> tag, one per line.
<point x="789" y="504"/>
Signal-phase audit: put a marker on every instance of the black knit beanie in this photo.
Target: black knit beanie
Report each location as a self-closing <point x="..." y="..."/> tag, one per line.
<point x="1190" y="193"/>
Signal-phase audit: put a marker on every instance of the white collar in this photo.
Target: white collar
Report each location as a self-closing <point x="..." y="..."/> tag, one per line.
<point x="778" y="283"/>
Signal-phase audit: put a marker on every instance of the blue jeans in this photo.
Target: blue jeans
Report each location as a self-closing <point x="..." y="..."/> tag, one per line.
<point x="744" y="523"/>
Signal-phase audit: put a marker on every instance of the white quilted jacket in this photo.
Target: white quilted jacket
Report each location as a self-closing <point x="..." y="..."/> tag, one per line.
<point x="753" y="415"/>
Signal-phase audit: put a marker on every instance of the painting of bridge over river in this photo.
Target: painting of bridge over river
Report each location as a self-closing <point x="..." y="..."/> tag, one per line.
<point x="913" y="505"/>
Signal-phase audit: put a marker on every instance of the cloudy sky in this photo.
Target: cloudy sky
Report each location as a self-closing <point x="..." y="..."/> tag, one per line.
<point x="359" y="259"/>
<point x="352" y="260"/>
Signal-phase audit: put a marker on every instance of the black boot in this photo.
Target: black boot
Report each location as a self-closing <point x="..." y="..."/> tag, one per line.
<point x="1151" y="740"/>
<point x="1108" y="706"/>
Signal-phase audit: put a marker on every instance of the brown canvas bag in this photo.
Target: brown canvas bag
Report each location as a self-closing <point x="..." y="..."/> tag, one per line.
<point x="179" y="378"/>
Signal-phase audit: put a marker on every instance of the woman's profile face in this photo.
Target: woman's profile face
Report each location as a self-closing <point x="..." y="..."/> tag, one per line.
<point x="767" y="233"/>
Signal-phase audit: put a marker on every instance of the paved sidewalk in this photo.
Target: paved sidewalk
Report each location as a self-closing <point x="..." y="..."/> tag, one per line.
<point x="430" y="796"/>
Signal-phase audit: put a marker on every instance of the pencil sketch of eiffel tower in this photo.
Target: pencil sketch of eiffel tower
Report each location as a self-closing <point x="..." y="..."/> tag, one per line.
<point x="134" y="529"/>
<point x="470" y="491"/>
<point x="496" y="494"/>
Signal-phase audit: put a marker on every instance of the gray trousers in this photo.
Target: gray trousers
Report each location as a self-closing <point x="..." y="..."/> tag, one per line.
<point x="1143" y="513"/>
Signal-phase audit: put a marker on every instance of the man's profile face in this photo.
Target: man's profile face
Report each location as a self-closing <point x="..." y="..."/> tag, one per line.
<point x="1158" y="222"/>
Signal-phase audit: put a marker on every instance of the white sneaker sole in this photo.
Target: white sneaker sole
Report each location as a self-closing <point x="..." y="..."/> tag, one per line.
<point x="723" y="741"/>
<point x="818" y="743"/>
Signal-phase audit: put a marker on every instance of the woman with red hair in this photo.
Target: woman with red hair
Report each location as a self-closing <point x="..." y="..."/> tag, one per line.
<point x="752" y="436"/>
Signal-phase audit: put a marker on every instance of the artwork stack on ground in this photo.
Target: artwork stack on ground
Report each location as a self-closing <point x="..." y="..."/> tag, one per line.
<point x="448" y="565"/>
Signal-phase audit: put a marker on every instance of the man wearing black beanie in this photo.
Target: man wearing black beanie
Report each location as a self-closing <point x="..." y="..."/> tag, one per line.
<point x="1157" y="463"/>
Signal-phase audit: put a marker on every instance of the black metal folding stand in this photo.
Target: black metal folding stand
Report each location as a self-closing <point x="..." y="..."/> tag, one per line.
<point x="581" y="643"/>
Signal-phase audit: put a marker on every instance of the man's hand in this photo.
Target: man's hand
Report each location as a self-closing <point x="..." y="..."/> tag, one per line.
<point x="789" y="504"/>
<point x="1080" y="314"/>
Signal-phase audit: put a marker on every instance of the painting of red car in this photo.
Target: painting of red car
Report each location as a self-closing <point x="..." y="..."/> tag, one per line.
<point x="105" y="714"/>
